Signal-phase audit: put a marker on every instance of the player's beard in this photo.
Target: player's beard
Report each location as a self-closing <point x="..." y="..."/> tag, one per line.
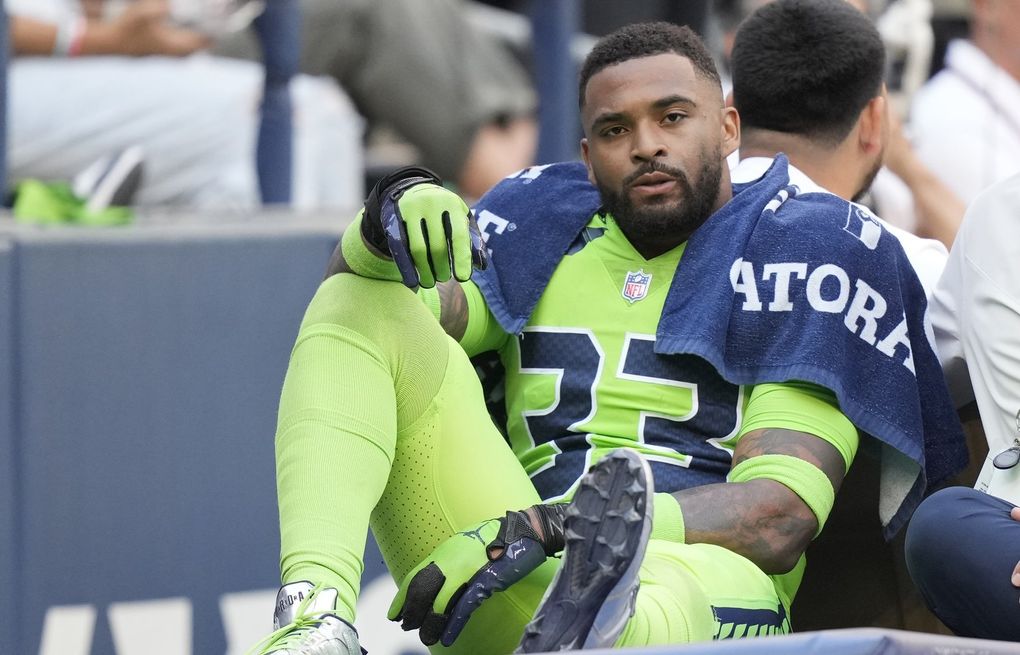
<point x="868" y="180"/>
<point x="670" y="221"/>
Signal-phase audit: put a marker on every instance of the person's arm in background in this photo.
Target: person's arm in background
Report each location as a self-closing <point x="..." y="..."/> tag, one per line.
<point x="141" y="29"/>
<point x="937" y="209"/>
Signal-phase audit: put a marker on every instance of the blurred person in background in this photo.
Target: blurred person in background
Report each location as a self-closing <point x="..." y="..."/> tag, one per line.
<point x="472" y="119"/>
<point x="81" y="88"/>
<point x="904" y="185"/>
<point x="965" y="122"/>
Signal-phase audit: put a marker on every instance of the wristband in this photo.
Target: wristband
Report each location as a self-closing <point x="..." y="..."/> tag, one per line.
<point x="802" y="478"/>
<point x="69" y="38"/>
<point x="361" y="260"/>
<point x="391" y="187"/>
<point x="551" y="517"/>
<point x="667" y="519"/>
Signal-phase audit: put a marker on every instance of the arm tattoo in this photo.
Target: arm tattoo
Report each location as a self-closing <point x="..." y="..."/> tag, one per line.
<point x="453" y="315"/>
<point x="811" y="449"/>
<point x="337" y="263"/>
<point x="761" y="519"/>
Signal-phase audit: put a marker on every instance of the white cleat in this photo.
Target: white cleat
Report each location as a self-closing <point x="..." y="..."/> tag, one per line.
<point x="307" y="624"/>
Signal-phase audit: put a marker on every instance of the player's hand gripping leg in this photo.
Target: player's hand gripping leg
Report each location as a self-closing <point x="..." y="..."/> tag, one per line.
<point x="428" y="230"/>
<point x="439" y="595"/>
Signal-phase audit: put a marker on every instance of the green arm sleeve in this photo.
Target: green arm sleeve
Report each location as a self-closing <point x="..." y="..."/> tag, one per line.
<point x="803" y="407"/>
<point x="483" y="332"/>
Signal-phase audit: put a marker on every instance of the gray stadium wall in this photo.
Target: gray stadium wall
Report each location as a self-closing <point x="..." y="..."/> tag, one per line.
<point x="140" y="372"/>
<point x="8" y="528"/>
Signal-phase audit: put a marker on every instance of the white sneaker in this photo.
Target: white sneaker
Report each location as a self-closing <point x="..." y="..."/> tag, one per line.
<point x="111" y="181"/>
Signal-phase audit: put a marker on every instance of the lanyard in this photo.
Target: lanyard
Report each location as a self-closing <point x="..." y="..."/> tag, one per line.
<point x="1009" y="119"/>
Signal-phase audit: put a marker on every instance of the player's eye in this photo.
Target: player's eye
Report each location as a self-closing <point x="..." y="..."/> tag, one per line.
<point x="674" y="117"/>
<point x="615" y="130"/>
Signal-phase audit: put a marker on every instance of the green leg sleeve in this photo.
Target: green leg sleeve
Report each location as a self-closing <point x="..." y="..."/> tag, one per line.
<point x="452" y="469"/>
<point x="334" y="446"/>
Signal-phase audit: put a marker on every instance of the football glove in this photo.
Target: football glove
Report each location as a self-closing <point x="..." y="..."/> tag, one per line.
<point x="439" y="595"/>
<point x="428" y="230"/>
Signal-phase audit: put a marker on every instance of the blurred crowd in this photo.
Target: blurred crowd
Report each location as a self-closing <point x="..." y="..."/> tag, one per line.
<point x="176" y="84"/>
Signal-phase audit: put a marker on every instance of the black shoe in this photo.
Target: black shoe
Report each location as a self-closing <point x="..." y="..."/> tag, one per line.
<point x="607" y="525"/>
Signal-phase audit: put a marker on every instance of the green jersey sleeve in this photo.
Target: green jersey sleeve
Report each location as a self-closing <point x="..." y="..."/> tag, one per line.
<point x="483" y="332"/>
<point x="803" y="407"/>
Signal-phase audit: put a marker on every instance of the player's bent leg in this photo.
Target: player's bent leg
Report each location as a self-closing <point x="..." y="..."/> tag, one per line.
<point x="961" y="548"/>
<point x="699" y="592"/>
<point x="335" y="436"/>
<point x="383" y="416"/>
<point x="451" y="470"/>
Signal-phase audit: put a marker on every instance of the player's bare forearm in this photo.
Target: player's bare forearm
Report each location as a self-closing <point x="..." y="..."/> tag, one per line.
<point x="453" y="315"/>
<point x="337" y="263"/>
<point x="761" y="519"/>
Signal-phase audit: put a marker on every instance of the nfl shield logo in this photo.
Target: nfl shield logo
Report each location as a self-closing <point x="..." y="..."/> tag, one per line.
<point x="635" y="287"/>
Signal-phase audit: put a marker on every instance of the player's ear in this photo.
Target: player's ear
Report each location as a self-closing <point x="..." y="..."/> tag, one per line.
<point x="587" y="160"/>
<point x="873" y="125"/>
<point x="730" y="130"/>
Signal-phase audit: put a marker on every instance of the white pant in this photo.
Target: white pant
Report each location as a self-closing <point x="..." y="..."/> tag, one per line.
<point x="196" y="119"/>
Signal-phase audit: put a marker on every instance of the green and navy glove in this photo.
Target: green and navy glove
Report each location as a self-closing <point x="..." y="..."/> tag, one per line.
<point x="428" y="230"/>
<point x="438" y="596"/>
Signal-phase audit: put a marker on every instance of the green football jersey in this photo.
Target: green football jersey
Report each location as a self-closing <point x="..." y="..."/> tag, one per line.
<point x="583" y="378"/>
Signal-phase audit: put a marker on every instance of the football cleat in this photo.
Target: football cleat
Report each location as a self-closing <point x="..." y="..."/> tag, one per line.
<point x="306" y="623"/>
<point x="607" y="526"/>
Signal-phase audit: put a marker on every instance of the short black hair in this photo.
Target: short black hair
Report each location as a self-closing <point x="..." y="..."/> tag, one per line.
<point x="645" y="40"/>
<point x="806" y="67"/>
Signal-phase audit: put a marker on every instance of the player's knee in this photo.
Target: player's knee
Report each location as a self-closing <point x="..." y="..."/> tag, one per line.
<point x="930" y="534"/>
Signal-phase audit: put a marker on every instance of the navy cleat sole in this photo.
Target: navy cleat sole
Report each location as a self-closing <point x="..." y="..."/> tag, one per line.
<point x="593" y="593"/>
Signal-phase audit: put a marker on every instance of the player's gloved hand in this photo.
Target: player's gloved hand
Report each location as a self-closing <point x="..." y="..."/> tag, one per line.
<point x="428" y="230"/>
<point x="438" y="596"/>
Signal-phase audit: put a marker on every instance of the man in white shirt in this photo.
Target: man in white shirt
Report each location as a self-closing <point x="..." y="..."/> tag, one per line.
<point x="963" y="545"/>
<point x="965" y="121"/>
<point x="83" y="88"/>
